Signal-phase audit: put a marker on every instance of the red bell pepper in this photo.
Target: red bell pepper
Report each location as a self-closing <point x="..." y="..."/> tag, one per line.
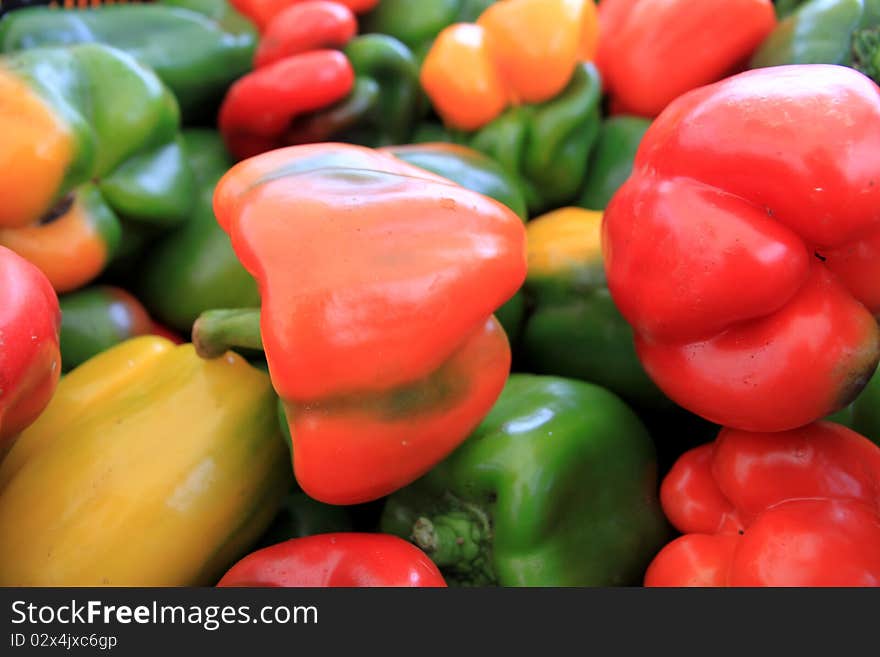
<point x="262" y="12"/>
<point x="30" y="356"/>
<point x="337" y="560"/>
<point x="740" y="247"/>
<point x="797" y="508"/>
<point x="378" y="283"/>
<point x="652" y="51"/>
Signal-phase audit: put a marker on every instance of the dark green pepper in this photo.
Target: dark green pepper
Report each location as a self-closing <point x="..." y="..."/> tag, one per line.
<point x="546" y="146"/>
<point x="556" y="487"/>
<point x="300" y="516"/>
<point x="863" y="414"/>
<point x="194" y="268"/>
<point x="418" y="22"/>
<point x="96" y="318"/>
<point x="197" y="47"/>
<point x="612" y="159"/>
<point x="574" y="329"/>
<point x="826" y="32"/>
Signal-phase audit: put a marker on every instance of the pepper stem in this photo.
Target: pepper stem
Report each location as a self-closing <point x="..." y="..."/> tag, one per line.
<point x="866" y="52"/>
<point x="459" y="540"/>
<point x="217" y="331"/>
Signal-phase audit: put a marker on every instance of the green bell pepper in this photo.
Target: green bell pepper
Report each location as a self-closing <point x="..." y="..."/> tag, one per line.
<point x="194" y="268"/>
<point x="556" y="487"/>
<point x="418" y="22"/>
<point x="196" y="47"/>
<point x="301" y="516"/>
<point x="96" y="318"/>
<point x="612" y="158"/>
<point x="843" y="32"/>
<point x="546" y="146"/>
<point x="122" y="162"/>
<point x="574" y="329"/>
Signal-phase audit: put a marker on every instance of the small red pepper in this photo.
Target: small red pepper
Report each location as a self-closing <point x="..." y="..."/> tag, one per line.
<point x="262" y="12"/>
<point x="337" y="560"/>
<point x="797" y="508"/>
<point x="30" y="356"/>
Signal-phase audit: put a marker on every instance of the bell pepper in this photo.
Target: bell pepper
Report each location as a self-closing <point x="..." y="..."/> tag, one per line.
<point x="315" y="80"/>
<point x="826" y="32"/>
<point x="612" y="159"/>
<point x="418" y="22"/>
<point x="96" y="318"/>
<point x="344" y="559"/>
<point x="574" y="328"/>
<point x="546" y="146"/>
<point x="194" y="268"/>
<point x="375" y="338"/>
<point x="652" y="51"/>
<point x="197" y="55"/>
<point x="518" y="503"/>
<point x="794" y="508"/>
<point x="479" y="173"/>
<point x="74" y="165"/>
<point x="742" y="249"/>
<point x="149" y="467"/>
<point x="474" y="71"/>
<point x="30" y="360"/>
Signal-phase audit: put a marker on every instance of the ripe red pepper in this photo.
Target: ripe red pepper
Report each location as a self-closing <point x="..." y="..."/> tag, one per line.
<point x="652" y="51"/>
<point x="337" y="560"/>
<point x="30" y="356"/>
<point x="262" y="12"/>
<point x="378" y="283"/>
<point x="740" y="249"/>
<point x="797" y="508"/>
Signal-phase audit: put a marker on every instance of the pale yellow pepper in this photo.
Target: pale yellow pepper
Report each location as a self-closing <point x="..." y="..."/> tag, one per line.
<point x="149" y="467"/>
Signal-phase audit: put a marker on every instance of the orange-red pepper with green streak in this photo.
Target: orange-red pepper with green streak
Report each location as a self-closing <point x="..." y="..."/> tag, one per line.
<point x="378" y="282"/>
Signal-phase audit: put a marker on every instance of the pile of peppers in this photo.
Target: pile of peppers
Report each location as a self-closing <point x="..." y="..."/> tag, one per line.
<point x="438" y="293"/>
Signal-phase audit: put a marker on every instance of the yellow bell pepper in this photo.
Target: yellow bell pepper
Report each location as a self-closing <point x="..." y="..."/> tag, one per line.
<point x="149" y="467"/>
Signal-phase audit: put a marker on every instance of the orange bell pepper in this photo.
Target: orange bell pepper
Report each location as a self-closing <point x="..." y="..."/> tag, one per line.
<point x="518" y="51"/>
<point x="378" y="282"/>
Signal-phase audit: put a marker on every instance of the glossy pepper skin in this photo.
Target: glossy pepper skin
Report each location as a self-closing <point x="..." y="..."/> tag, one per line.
<point x="146" y="435"/>
<point x="573" y="328"/>
<point x="545" y="146"/>
<point x="479" y="173"/>
<point x="742" y="248"/>
<point x="652" y="51"/>
<point x="418" y="22"/>
<point x="30" y="360"/>
<point x="96" y="318"/>
<point x="367" y="267"/>
<point x="315" y="80"/>
<point x="826" y="32"/>
<point x="194" y="268"/>
<point x="345" y="559"/>
<point x="517" y="51"/>
<point x="517" y="504"/>
<point x="264" y="12"/>
<point x="196" y="47"/>
<point x="611" y="160"/>
<point x="76" y="165"/>
<point x="794" y="508"/>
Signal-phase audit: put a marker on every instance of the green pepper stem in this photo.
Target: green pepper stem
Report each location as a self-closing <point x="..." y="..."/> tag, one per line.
<point x="866" y="52"/>
<point x="459" y="539"/>
<point x="217" y="331"/>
